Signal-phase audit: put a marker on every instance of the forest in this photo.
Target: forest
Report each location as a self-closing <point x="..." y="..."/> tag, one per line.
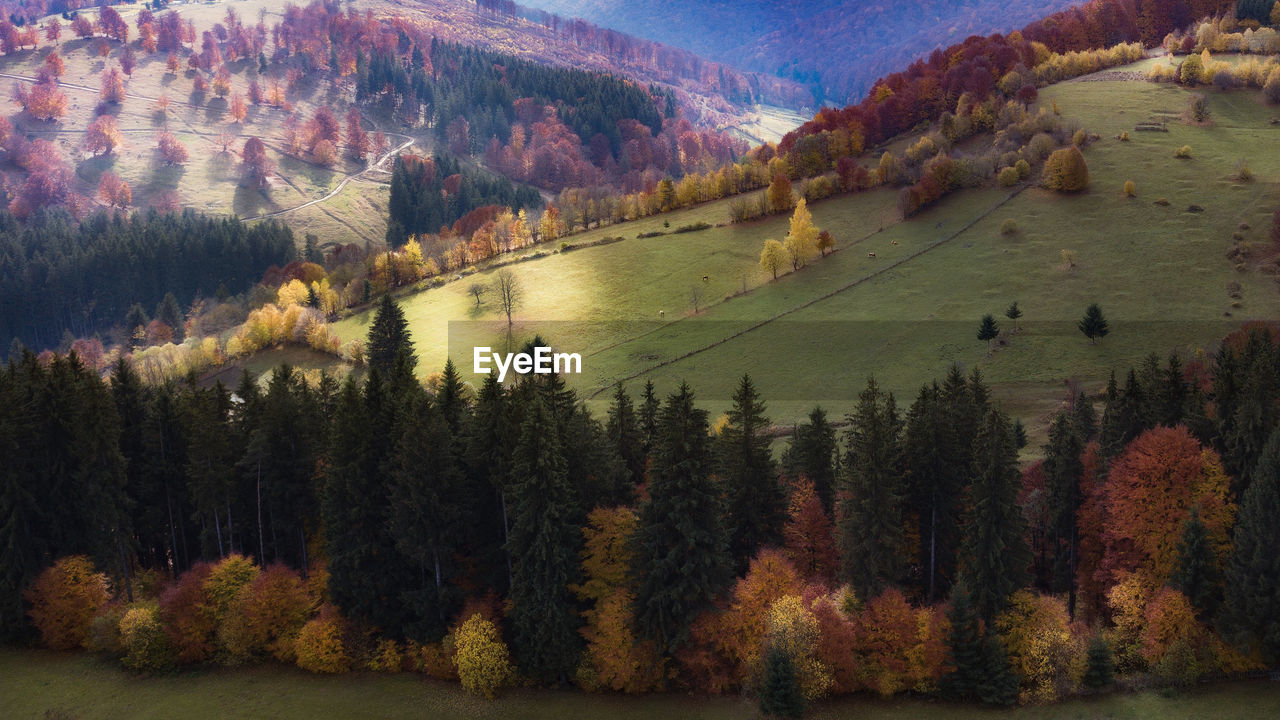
<point x="484" y="534"/>
<point x="58" y="274"/>
<point x="431" y="194"/>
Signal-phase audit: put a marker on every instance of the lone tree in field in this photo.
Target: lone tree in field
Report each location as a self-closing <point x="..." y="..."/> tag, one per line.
<point x="477" y="290"/>
<point x="988" y="331"/>
<point x="1066" y="171"/>
<point x="256" y="166"/>
<point x="773" y="257"/>
<point x="510" y="294"/>
<point x="1013" y="313"/>
<point x="1093" y="324"/>
<point x="802" y="239"/>
<point x="825" y="242"/>
<point x="389" y="339"/>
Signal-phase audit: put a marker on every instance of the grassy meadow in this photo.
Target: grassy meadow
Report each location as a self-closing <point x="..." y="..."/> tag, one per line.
<point x="1159" y="271"/>
<point x="82" y="687"/>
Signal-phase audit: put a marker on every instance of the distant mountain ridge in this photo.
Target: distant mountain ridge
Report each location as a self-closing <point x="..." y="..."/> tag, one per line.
<point x="837" y="48"/>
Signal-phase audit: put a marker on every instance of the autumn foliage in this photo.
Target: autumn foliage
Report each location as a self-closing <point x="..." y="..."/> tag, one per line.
<point x="64" y="600"/>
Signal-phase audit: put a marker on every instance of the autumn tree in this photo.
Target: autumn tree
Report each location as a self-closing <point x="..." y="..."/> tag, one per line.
<point x="54" y="64"/>
<point x="237" y="108"/>
<point x="112" y="86"/>
<point x="43" y="101"/>
<point x="103" y="135"/>
<point x="256" y="167"/>
<point x="64" y="600"/>
<point x="358" y="143"/>
<point x="1066" y="170"/>
<point x="779" y="194"/>
<point x="53" y="30"/>
<point x="826" y="242"/>
<point x="812" y="456"/>
<point x="773" y="257"/>
<point x="483" y="661"/>
<point x="681" y="545"/>
<point x="802" y="239"/>
<point x="114" y="191"/>
<point x="172" y="151"/>
<point x="808" y="535"/>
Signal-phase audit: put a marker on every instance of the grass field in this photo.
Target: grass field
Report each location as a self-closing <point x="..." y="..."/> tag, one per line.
<point x="86" y="688"/>
<point x="1158" y="271"/>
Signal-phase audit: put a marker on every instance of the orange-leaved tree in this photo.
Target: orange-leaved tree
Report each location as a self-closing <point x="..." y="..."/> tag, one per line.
<point x="64" y="599"/>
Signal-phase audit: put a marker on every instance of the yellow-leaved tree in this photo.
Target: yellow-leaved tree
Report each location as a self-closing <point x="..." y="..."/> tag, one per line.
<point x="802" y="240"/>
<point x="773" y="257"/>
<point x="484" y="663"/>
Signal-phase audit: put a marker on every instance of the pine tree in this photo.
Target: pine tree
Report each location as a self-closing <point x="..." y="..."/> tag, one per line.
<point x="965" y="648"/>
<point x="1093" y="324"/>
<point x="812" y="455"/>
<point x="780" y="694"/>
<point x="988" y="330"/>
<point x="1197" y="575"/>
<point x="1084" y="418"/>
<point x="1253" y="591"/>
<point x="1101" y="665"/>
<point x="995" y="556"/>
<point x="625" y="435"/>
<point x="649" y="410"/>
<point x="1000" y="683"/>
<point x="870" y="530"/>
<point x="389" y="339"/>
<point x="1063" y="469"/>
<point x="755" y="504"/>
<point x="1013" y="312"/>
<point x="935" y="470"/>
<point x="136" y="318"/>
<point x="490" y="435"/>
<point x="170" y="313"/>
<point x="681" y="555"/>
<point x="544" y="551"/>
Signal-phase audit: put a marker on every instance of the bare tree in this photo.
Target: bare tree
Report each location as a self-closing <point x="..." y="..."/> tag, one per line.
<point x="477" y="290"/>
<point x="510" y="294"/>
<point x="695" y="297"/>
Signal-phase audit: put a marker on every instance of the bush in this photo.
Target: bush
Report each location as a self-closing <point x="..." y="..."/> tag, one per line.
<point x="1271" y="89"/>
<point x="145" y="645"/>
<point x="1192" y="72"/>
<point x="319" y="647"/>
<point x="104" y="632"/>
<point x="1199" y="108"/>
<point x="1243" y="173"/>
<point x="1079" y="138"/>
<point x="1183" y="153"/>
<point x="188" y="624"/>
<point x="1009" y="227"/>
<point x="1024" y="169"/>
<point x="1066" y="170"/>
<point x="1130" y="190"/>
<point x="1008" y="177"/>
<point x="483" y="662"/>
<point x="1124" y="136"/>
<point x="64" y="600"/>
<point x="275" y="607"/>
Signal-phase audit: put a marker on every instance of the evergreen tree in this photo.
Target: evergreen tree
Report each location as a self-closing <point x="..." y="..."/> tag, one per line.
<point x="1100" y="669"/>
<point x="966" y="653"/>
<point x="988" y="330"/>
<point x="1093" y="324"/>
<point x="490" y="438"/>
<point x="1063" y="469"/>
<point x="1013" y="312"/>
<point x="870" y="529"/>
<point x="1000" y="683"/>
<point x="170" y="313"/>
<point x="935" y="469"/>
<point x="625" y="435"/>
<point x="136" y="318"/>
<point x="681" y="557"/>
<point x="780" y="694"/>
<point x="1174" y="395"/>
<point x="389" y="339"/>
<point x="755" y="504"/>
<point x="1084" y="418"/>
<point x="812" y="454"/>
<point x="649" y="409"/>
<point x="544" y="551"/>
<point x="1253" y="591"/>
<point x="450" y="399"/>
<point x="995" y="556"/>
<point x="1197" y="575"/>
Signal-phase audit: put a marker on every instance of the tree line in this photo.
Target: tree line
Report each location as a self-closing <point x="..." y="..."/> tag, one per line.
<point x="654" y="548"/>
<point x="429" y="194"/>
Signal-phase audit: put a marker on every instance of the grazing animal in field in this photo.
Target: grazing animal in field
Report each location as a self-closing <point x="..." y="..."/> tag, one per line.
<point x="895" y="242"/>
<point x="706" y="278"/>
<point x="662" y="313"/>
<point x="871" y="255"/>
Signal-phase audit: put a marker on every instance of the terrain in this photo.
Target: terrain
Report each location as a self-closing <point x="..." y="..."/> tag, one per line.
<point x="815" y="335"/>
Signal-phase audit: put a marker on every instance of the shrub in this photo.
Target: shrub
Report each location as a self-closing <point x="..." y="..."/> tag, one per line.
<point x="1008" y="177"/>
<point x="1183" y="153"/>
<point x="1009" y="227"/>
<point x="104" y="632"/>
<point x="1066" y="170"/>
<point x="274" y="608"/>
<point x="1223" y="79"/>
<point x="1199" y="108"/>
<point x="1124" y="136"/>
<point x="144" y="642"/>
<point x="1192" y="71"/>
<point x="1130" y="190"/>
<point x="483" y="662"/>
<point x="1271" y="89"/>
<point x="1080" y="138"/>
<point x="1243" y="173"/>
<point x="1024" y="169"/>
<point x="387" y="657"/>
<point x="319" y="647"/>
<point x="64" y="600"/>
<point x="187" y="623"/>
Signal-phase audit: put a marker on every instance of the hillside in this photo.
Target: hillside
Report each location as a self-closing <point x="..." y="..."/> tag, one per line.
<point x="837" y="48"/>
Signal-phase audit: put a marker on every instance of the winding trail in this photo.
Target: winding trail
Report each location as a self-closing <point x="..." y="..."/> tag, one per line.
<point x="375" y="166"/>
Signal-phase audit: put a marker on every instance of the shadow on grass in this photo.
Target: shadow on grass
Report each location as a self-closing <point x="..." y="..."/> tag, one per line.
<point x="251" y="202"/>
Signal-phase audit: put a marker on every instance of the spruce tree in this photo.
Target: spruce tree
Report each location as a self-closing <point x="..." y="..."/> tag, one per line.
<point x="681" y="557"/>
<point x="490" y="436"/>
<point x="812" y="454"/>
<point x="1084" y="418"/>
<point x="1197" y="575"/>
<point x="755" y="504"/>
<point x="966" y="653"/>
<point x="935" y="470"/>
<point x="1000" y="683"/>
<point x="1100" y="670"/>
<point x="625" y="435"/>
<point x="988" y="330"/>
<point x="649" y="409"/>
<point x="1013" y="312"/>
<point x="780" y="694"/>
<point x="170" y="313"/>
<point x="1063" y="469"/>
<point x="870" y="530"/>
<point x="995" y="556"/>
<point x="1253" y="578"/>
<point x="544" y="551"/>
<point x="1093" y="324"/>
<point x="389" y="339"/>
